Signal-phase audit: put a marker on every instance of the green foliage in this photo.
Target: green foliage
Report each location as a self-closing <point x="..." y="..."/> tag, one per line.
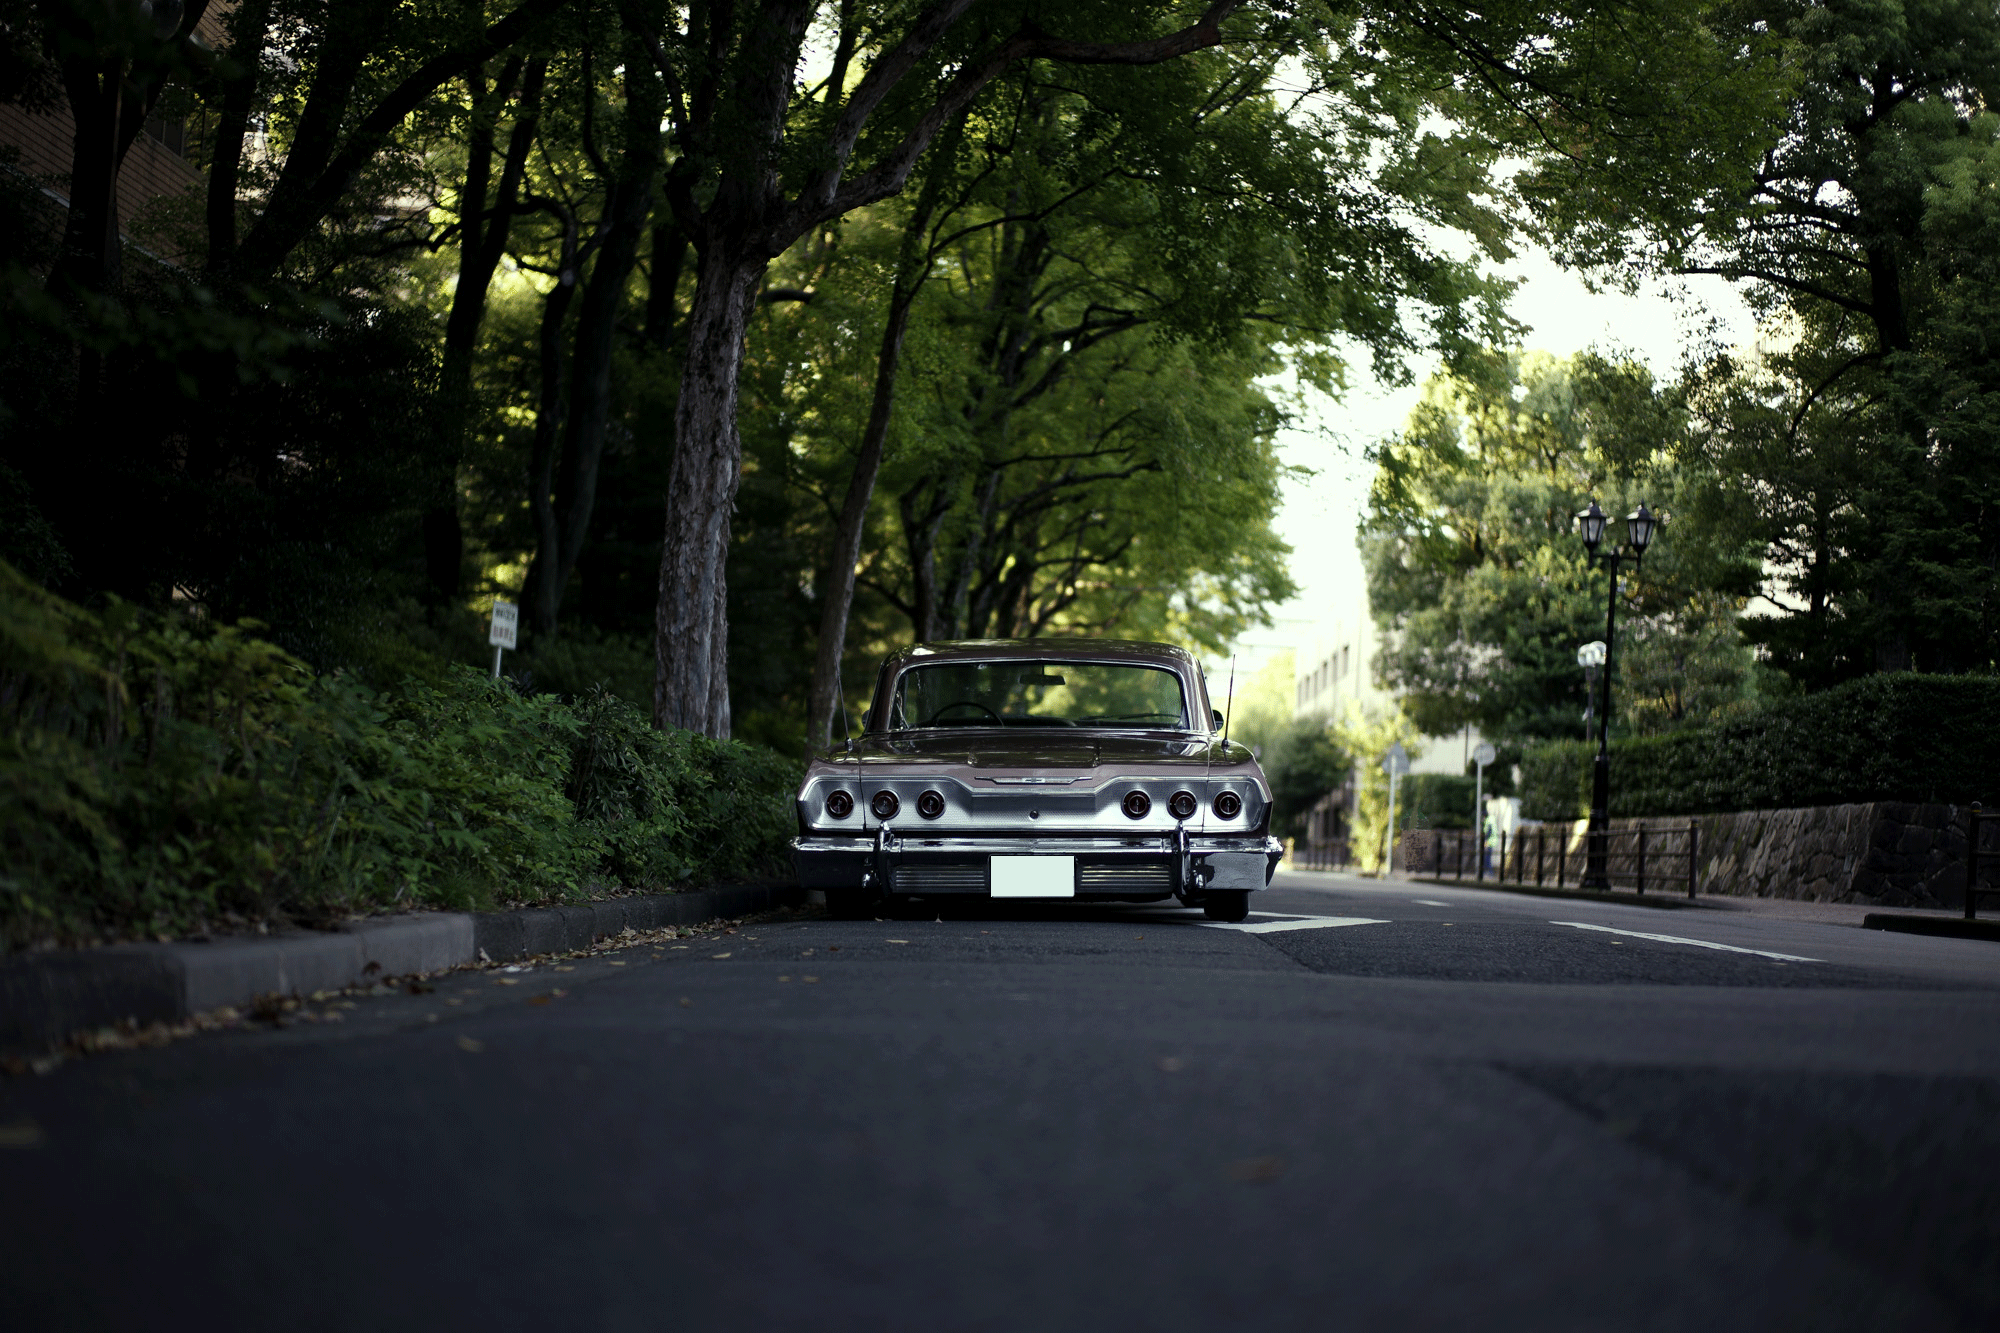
<point x="159" y="775"/>
<point x="1436" y="800"/>
<point x="1870" y="413"/>
<point x="1303" y="762"/>
<point x="1368" y="740"/>
<point x="1262" y="708"/>
<point x="1889" y="737"/>
<point x="1474" y="565"/>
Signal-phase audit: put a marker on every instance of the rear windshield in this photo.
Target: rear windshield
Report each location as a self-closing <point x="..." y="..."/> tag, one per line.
<point x="1038" y="694"/>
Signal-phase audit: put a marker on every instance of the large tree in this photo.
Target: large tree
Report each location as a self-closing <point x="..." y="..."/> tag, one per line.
<point x="1860" y="222"/>
<point x="1481" y="586"/>
<point x="750" y="179"/>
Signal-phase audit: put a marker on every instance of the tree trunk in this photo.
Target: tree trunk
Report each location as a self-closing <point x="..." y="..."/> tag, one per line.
<point x="90" y="260"/>
<point x="552" y="410"/>
<point x="482" y="241"/>
<point x="628" y="203"/>
<point x="837" y="592"/>
<point x="691" y="634"/>
<point x="248" y="27"/>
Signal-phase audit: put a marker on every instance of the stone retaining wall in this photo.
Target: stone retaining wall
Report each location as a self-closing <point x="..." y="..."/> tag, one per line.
<point x="1882" y="853"/>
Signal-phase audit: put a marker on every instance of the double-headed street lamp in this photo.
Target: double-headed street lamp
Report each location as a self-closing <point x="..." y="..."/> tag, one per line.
<point x="1639" y="528"/>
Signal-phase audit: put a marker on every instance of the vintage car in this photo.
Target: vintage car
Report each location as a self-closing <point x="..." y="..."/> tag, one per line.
<point x="1084" y="769"/>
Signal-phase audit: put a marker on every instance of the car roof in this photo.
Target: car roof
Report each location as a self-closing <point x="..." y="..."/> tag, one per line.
<point x="1061" y="648"/>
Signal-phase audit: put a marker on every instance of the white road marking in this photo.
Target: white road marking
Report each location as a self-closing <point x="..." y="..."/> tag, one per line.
<point x="1682" y="939"/>
<point x="1300" y="923"/>
<point x="1429" y="902"/>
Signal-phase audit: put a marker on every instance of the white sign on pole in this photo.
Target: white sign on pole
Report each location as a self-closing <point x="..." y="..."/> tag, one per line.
<point x="1483" y="755"/>
<point x="506" y="622"/>
<point x="1395" y="763"/>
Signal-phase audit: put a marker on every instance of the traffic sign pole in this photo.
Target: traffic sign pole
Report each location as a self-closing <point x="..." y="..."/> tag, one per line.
<point x="1395" y="764"/>
<point x="1481" y="757"/>
<point x="501" y="633"/>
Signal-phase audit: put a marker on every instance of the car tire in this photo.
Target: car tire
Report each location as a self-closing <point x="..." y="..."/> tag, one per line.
<point x="855" y="904"/>
<point x="1226" y="904"/>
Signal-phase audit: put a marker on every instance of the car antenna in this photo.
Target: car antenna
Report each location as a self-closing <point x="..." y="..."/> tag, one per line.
<point x="846" y="730"/>
<point x="1229" y="704"/>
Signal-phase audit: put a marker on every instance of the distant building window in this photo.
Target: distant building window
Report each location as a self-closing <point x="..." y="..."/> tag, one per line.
<point x="183" y="136"/>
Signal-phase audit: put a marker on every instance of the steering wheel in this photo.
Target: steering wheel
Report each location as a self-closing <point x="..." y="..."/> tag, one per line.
<point x="938" y="716"/>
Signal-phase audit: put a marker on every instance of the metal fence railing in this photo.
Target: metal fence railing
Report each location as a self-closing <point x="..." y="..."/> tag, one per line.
<point x="1321" y="853"/>
<point x="1976" y="819"/>
<point x="1662" y="857"/>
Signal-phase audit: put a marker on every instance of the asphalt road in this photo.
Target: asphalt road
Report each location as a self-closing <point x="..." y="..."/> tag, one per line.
<point x="1374" y="1105"/>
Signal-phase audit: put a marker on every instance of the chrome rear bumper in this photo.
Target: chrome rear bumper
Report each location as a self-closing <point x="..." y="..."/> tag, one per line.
<point x="1128" y="866"/>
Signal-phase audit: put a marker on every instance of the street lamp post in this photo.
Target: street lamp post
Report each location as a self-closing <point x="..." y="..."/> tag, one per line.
<point x="1640" y="525"/>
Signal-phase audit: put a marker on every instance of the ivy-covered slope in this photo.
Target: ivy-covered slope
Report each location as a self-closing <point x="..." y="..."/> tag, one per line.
<point x="159" y="776"/>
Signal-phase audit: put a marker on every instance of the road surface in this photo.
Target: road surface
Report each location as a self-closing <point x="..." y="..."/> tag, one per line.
<point x="1373" y="1105"/>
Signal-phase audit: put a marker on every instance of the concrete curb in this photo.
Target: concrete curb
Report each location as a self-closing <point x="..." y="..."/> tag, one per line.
<point x="1952" y="926"/>
<point x="46" y="996"/>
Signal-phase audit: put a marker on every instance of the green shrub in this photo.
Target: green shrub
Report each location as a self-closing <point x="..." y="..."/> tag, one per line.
<point x="1435" y="800"/>
<point x="159" y="776"/>
<point x="1892" y="737"/>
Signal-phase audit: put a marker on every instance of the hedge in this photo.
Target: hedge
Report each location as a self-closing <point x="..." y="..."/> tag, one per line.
<point x="1435" y="800"/>
<point x="1891" y="737"/>
<point x="159" y="776"/>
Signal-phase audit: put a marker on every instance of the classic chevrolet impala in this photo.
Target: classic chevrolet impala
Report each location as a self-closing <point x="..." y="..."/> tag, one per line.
<point x="1051" y="768"/>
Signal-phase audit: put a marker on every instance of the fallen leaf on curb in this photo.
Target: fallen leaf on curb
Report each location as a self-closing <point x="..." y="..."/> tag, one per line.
<point x="784" y="978"/>
<point x="565" y="969"/>
<point x="808" y="978"/>
<point x="686" y="1003"/>
<point x="456" y="999"/>
<point x="471" y="1045"/>
<point x="21" y="1134"/>
<point x="1257" y="1170"/>
<point x="505" y="981"/>
<point x="720" y="955"/>
<point x="833" y="948"/>
<point x="615" y="962"/>
<point x="539" y="999"/>
<point x="895" y="941"/>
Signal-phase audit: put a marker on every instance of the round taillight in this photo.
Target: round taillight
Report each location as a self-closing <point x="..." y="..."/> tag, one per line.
<point x="1136" y="804"/>
<point x="930" y="805"/>
<point x="1228" y="805"/>
<point x="885" y="805"/>
<point x="1182" y="804"/>
<point x="839" y="804"/>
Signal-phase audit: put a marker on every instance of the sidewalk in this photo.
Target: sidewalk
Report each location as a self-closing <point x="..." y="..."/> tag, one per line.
<point x="1785" y="909"/>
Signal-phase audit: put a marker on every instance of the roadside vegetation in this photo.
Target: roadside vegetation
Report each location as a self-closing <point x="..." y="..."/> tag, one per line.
<point x="1818" y="619"/>
<point x="160" y="775"/>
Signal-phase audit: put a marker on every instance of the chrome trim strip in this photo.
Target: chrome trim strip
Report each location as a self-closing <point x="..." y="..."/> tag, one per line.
<point x="1197" y="845"/>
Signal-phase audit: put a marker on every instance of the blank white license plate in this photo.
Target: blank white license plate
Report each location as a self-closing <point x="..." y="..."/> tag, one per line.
<point x="1034" y="876"/>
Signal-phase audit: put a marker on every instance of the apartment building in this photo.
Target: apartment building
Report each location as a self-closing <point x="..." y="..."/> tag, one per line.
<point x="162" y="161"/>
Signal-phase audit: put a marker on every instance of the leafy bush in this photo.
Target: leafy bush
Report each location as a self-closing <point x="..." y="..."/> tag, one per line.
<point x="1892" y="737"/>
<point x="1303" y="762"/>
<point x="1435" y="800"/>
<point x="158" y="776"/>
